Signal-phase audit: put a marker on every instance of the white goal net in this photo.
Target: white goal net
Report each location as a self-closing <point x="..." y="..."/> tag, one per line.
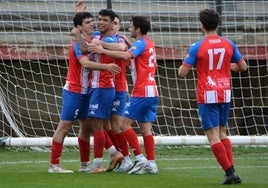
<point x="34" y="41"/>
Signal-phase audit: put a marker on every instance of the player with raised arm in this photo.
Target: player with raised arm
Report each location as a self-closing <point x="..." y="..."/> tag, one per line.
<point x="214" y="57"/>
<point x="75" y="90"/>
<point x="142" y="105"/>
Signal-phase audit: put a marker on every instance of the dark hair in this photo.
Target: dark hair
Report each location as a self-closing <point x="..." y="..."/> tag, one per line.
<point x="209" y="18"/>
<point x="117" y="16"/>
<point x="107" y="12"/>
<point x="142" y="23"/>
<point x="80" y="16"/>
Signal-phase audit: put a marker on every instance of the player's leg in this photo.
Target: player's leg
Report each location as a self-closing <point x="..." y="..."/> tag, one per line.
<point x="99" y="111"/>
<point x="111" y="133"/>
<point x="149" y="147"/>
<point x="133" y="111"/>
<point x="225" y="110"/>
<point x="115" y="156"/>
<point x="116" y="119"/>
<point x="56" y="147"/>
<point x="84" y="145"/>
<point x="126" y="163"/>
<point x="72" y="103"/>
<point x="146" y="117"/>
<point x="224" y="115"/>
<point x="210" y="115"/>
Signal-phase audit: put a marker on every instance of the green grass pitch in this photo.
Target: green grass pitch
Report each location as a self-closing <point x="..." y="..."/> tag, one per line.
<point x="179" y="167"/>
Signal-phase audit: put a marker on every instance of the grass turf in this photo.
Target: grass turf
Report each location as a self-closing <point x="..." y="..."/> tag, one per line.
<point x="179" y="166"/>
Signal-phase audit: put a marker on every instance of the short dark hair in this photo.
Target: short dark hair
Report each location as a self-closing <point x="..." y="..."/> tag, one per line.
<point x="209" y="18"/>
<point x="142" y="23"/>
<point x="107" y="12"/>
<point x="80" y="16"/>
<point x="117" y="16"/>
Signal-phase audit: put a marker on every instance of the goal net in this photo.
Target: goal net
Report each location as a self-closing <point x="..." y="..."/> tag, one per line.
<point x="34" y="42"/>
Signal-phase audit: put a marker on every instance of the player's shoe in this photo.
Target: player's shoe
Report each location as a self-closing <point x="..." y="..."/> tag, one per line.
<point x="85" y="168"/>
<point x="137" y="166"/>
<point x="115" y="159"/>
<point x="58" y="169"/>
<point x="147" y="169"/>
<point x="92" y="169"/>
<point x="124" y="166"/>
<point x="232" y="179"/>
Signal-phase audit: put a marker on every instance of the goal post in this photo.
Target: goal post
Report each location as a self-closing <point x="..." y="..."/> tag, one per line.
<point x="196" y="140"/>
<point x="34" y="42"/>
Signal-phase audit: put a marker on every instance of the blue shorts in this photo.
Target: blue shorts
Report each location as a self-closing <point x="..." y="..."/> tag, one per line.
<point x="142" y="109"/>
<point x="100" y="102"/>
<point x="213" y="115"/>
<point x="119" y="102"/>
<point x="74" y="106"/>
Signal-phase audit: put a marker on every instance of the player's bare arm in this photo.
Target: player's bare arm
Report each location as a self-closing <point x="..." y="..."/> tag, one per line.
<point x="239" y="67"/>
<point x="81" y="43"/>
<point x="113" y="68"/>
<point x="114" y="46"/>
<point x="110" y="46"/>
<point x="183" y="70"/>
<point x="97" y="48"/>
<point x="126" y="39"/>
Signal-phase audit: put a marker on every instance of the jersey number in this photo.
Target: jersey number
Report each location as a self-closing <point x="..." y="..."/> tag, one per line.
<point x="211" y="53"/>
<point x="152" y="57"/>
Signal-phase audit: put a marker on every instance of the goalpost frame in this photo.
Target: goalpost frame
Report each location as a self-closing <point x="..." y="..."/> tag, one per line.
<point x="159" y="140"/>
<point x="34" y="63"/>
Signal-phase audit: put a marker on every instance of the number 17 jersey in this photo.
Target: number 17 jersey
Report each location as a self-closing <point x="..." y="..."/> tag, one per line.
<point x="212" y="56"/>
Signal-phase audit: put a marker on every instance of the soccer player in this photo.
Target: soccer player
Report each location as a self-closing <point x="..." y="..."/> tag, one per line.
<point x="101" y="95"/>
<point x="121" y="93"/>
<point x="75" y="90"/>
<point x="115" y="156"/>
<point x="142" y="105"/>
<point x="214" y="57"/>
<point x="112" y="127"/>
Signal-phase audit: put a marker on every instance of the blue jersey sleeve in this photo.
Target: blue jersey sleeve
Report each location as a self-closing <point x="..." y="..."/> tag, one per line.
<point x="137" y="48"/>
<point x="77" y="52"/>
<point x="192" y="53"/>
<point x="110" y="39"/>
<point x="237" y="56"/>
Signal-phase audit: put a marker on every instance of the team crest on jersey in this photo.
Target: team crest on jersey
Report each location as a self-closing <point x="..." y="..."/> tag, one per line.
<point x="210" y="82"/>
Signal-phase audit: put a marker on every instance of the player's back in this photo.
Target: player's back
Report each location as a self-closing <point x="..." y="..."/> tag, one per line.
<point x="214" y="56"/>
<point x="144" y="68"/>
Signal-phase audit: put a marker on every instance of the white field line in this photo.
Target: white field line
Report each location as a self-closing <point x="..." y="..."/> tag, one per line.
<point x="158" y="159"/>
<point x="5" y="163"/>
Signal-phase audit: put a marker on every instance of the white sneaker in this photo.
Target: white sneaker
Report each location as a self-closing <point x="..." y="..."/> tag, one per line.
<point x="84" y="168"/>
<point x="147" y="169"/>
<point x="124" y="166"/>
<point x="137" y="166"/>
<point x="58" y="169"/>
<point x="91" y="168"/>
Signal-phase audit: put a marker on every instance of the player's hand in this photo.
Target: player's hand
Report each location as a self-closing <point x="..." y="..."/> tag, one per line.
<point x="96" y="41"/>
<point x="126" y="39"/>
<point x="74" y="31"/>
<point x="80" y="6"/>
<point x="95" y="48"/>
<point x="113" y="68"/>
